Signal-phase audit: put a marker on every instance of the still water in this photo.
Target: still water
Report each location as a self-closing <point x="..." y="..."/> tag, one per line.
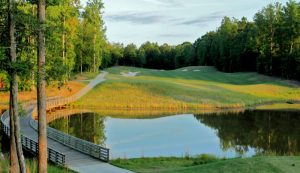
<point x="223" y="134"/>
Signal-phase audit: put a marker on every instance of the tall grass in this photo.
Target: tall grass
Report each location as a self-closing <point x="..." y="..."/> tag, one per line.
<point x="32" y="167"/>
<point x="53" y="90"/>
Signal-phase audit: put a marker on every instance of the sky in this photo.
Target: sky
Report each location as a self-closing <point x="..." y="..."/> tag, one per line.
<point x="171" y="21"/>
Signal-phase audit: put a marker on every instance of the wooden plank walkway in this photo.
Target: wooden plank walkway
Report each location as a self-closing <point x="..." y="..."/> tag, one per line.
<point x="74" y="159"/>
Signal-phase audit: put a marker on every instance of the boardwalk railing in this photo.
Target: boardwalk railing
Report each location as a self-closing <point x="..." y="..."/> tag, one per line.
<point x="57" y="102"/>
<point x="31" y="145"/>
<point x="80" y="145"/>
<point x="70" y="141"/>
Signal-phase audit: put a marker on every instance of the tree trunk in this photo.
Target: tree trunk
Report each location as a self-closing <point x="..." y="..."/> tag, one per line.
<point x="291" y="47"/>
<point x="41" y="90"/>
<point x="271" y="49"/>
<point x="80" y="61"/>
<point x="33" y="42"/>
<point x="63" y="39"/>
<point x="16" y="145"/>
<point x="13" y="164"/>
<point x="94" y="42"/>
<point x="15" y="112"/>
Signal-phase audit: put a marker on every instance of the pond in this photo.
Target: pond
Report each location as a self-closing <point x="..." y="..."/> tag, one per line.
<point x="222" y="134"/>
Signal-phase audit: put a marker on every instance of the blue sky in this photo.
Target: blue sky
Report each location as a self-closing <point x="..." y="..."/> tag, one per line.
<point x="171" y="21"/>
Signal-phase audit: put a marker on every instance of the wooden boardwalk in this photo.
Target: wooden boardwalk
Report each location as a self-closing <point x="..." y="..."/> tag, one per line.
<point x="63" y="149"/>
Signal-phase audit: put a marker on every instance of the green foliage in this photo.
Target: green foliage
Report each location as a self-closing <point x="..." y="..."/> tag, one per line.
<point x="69" y="34"/>
<point x="130" y="55"/>
<point x="92" y="37"/>
<point x="269" y="45"/>
<point x="56" y="70"/>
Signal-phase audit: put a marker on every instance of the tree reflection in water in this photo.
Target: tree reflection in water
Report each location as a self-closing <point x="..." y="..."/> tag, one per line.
<point x="86" y="126"/>
<point x="269" y="132"/>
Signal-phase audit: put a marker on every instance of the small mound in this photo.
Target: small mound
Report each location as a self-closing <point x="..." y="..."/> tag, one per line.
<point x="201" y="68"/>
<point x="129" y="74"/>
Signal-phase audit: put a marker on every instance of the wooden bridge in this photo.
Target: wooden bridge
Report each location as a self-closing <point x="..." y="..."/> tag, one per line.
<point x="64" y="149"/>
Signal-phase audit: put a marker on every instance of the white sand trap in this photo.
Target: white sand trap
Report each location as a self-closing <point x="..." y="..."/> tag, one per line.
<point x="196" y="70"/>
<point x="129" y="74"/>
<point x="184" y="70"/>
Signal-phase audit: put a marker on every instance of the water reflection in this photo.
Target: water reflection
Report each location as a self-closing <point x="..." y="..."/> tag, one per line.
<point x="87" y="126"/>
<point x="269" y="132"/>
<point x="222" y="134"/>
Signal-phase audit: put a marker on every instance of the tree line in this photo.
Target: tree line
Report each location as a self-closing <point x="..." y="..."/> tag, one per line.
<point x="77" y="43"/>
<point x="270" y="44"/>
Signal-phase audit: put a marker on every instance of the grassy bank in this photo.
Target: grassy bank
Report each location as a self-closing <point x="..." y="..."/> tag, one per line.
<point x="187" y="88"/>
<point x="209" y="164"/>
<point x="279" y="106"/>
<point x="32" y="166"/>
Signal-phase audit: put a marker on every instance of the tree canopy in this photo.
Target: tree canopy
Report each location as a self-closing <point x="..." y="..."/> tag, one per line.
<point x="76" y="42"/>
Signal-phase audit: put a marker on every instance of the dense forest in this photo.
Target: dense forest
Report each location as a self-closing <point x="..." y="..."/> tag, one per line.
<point x="76" y="42"/>
<point x="270" y="44"/>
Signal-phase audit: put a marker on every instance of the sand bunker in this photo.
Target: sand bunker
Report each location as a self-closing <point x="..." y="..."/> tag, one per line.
<point x="196" y="70"/>
<point x="184" y="70"/>
<point x="129" y="74"/>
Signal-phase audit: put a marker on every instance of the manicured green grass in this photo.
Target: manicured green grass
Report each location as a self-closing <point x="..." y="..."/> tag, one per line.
<point x="262" y="164"/>
<point x="163" y="163"/>
<point x="187" y="88"/>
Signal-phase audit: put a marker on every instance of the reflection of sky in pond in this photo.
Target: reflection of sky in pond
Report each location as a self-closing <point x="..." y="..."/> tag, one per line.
<point x="167" y="136"/>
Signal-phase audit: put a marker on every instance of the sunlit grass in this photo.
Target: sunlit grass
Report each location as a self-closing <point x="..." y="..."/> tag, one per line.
<point x="270" y="91"/>
<point x="187" y="88"/>
<point x="279" y="106"/>
<point x="133" y="113"/>
<point x="68" y="89"/>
